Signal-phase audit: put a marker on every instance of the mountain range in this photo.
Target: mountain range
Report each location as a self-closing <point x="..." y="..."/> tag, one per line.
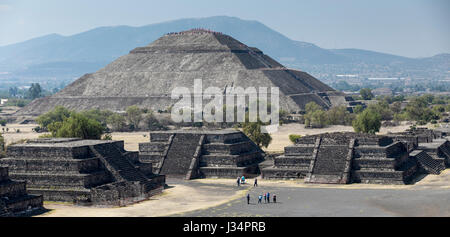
<point x="64" y="58"/>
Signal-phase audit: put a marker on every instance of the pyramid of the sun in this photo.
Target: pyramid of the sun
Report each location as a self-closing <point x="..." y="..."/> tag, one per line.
<point x="147" y="75"/>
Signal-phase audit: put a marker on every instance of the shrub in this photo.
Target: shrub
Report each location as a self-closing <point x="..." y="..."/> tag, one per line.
<point x="134" y="116"/>
<point x="3" y="122"/>
<point x="366" y="93"/>
<point x="369" y="121"/>
<point x="293" y="137"/>
<point x="77" y="125"/>
<point x="253" y="131"/>
<point x="117" y="122"/>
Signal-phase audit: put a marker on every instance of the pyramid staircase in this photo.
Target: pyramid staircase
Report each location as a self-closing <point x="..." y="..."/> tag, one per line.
<point x="191" y="154"/>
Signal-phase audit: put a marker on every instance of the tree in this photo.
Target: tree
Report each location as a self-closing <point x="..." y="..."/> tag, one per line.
<point x="100" y="115"/>
<point x="58" y="114"/>
<point x="117" y="122"/>
<point x="315" y="117"/>
<point x="369" y="121"/>
<point x="253" y="131"/>
<point x="134" y="116"/>
<point x="34" y="91"/>
<point x="366" y="93"/>
<point x="77" y="125"/>
<point x="338" y="115"/>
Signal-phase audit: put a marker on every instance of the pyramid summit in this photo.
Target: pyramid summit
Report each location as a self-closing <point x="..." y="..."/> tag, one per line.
<point x="147" y="75"/>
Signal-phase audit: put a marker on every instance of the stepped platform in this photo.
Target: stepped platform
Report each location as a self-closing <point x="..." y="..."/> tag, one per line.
<point x="361" y="158"/>
<point x="201" y="153"/>
<point x="82" y="171"/>
<point x="14" y="198"/>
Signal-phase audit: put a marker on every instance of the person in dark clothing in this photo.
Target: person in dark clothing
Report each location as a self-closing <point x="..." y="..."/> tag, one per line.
<point x="265" y="198"/>
<point x="274" y="198"/>
<point x="256" y="183"/>
<point x="238" y="181"/>
<point x="268" y="197"/>
<point x="248" y="198"/>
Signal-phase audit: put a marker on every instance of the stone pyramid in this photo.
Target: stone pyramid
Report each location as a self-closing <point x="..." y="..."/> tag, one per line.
<point x="147" y="75"/>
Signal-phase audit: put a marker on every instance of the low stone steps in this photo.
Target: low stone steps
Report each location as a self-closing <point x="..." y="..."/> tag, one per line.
<point x="432" y="165"/>
<point x="62" y="194"/>
<point x="375" y="162"/>
<point x="285" y="173"/>
<point x="51" y="165"/>
<point x="223" y="148"/>
<point x="12" y="189"/>
<point x="229" y="160"/>
<point x="223" y="172"/>
<point x="62" y="180"/>
<point x="292" y="161"/>
<point x="24" y="203"/>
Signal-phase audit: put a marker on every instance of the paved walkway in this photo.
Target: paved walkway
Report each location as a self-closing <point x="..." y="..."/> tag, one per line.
<point x="298" y="201"/>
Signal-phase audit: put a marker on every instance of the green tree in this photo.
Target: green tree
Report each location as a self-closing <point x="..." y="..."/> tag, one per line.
<point x="366" y="93"/>
<point x="134" y="116"/>
<point x="117" y="122"/>
<point x="315" y="116"/>
<point x="77" y="125"/>
<point x="58" y="114"/>
<point x="369" y="121"/>
<point x="338" y="115"/>
<point x="253" y="131"/>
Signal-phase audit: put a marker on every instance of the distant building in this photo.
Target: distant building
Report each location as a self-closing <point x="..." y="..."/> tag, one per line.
<point x="382" y="91"/>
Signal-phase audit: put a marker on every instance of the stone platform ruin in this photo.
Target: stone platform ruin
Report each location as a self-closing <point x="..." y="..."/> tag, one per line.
<point x="82" y="171"/>
<point x="197" y="153"/>
<point x="341" y="158"/>
<point x="14" y="199"/>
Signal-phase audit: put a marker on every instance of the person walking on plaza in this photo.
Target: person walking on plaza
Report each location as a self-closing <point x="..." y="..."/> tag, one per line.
<point x="274" y="198"/>
<point x="238" y="181"/>
<point x="265" y="198"/>
<point x="256" y="183"/>
<point x="259" y="198"/>
<point x="268" y="197"/>
<point x="248" y="198"/>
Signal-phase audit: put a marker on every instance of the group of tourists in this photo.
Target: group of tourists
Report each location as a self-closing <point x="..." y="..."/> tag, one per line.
<point x="266" y="197"/>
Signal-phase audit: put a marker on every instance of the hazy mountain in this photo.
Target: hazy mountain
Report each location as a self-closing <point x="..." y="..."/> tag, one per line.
<point x="68" y="57"/>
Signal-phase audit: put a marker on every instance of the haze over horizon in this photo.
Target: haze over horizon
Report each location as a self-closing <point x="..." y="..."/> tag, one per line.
<point x="411" y="28"/>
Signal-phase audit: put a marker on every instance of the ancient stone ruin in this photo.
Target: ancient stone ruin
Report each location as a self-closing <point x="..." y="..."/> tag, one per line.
<point x="147" y="76"/>
<point x="361" y="158"/>
<point x="14" y="199"/>
<point x="197" y="153"/>
<point x="82" y="171"/>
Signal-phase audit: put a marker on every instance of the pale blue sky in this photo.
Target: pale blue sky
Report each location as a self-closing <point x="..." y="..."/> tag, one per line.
<point x="414" y="28"/>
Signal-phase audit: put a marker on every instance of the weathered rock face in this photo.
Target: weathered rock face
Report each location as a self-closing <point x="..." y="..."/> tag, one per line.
<point x="147" y="76"/>
<point x="352" y="157"/>
<point x="82" y="171"/>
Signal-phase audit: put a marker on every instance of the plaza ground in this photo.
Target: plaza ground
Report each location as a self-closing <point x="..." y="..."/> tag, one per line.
<point x="221" y="197"/>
